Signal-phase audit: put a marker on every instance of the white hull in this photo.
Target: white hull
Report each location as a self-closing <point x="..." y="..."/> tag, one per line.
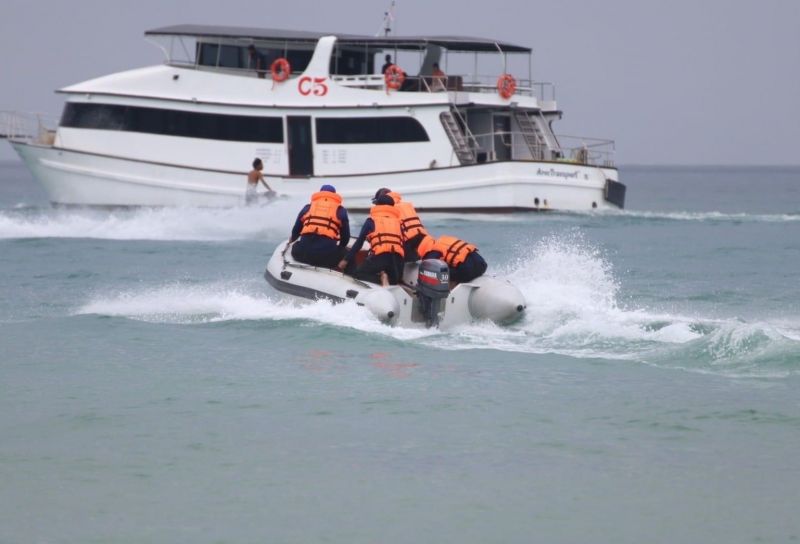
<point x="484" y="298"/>
<point x="184" y="133"/>
<point x="80" y="178"/>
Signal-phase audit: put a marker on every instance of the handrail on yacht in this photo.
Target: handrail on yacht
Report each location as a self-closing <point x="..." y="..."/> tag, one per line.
<point x="479" y="83"/>
<point x="590" y="151"/>
<point x="31" y="127"/>
<point x="540" y="89"/>
<point x="467" y="132"/>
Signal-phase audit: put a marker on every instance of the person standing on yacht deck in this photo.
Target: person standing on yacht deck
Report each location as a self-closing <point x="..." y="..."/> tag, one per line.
<point x="439" y="79"/>
<point x="256" y="61"/>
<point x="388" y="59"/>
<point x="323" y="228"/>
<point x="253" y="177"/>
<point x="384" y="264"/>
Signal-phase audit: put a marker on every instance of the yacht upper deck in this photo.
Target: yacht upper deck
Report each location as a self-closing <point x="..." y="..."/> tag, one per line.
<point x="252" y="35"/>
<point x="470" y="64"/>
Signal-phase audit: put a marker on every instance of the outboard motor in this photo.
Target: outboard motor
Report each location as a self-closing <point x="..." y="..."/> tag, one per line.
<point x="433" y="286"/>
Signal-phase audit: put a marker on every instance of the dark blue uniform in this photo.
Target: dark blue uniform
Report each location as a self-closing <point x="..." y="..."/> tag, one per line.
<point x="370" y="269"/>
<point x="473" y="266"/>
<point x="318" y="250"/>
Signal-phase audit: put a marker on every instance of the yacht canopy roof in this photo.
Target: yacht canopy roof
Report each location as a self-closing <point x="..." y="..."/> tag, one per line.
<point x="453" y="43"/>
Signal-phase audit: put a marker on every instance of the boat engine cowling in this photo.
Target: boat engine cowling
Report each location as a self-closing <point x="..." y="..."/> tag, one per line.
<point x="433" y="286"/>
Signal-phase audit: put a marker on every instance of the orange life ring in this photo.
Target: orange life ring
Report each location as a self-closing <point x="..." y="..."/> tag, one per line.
<point x="506" y="86"/>
<point x="394" y="77"/>
<point x="281" y="69"/>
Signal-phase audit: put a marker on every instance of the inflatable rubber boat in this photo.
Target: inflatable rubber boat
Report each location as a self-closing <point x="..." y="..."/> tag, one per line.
<point x="423" y="299"/>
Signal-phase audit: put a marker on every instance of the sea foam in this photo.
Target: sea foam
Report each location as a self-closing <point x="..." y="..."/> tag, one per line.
<point x="201" y="224"/>
<point x="711" y="216"/>
<point x="573" y="309"/>
<point x="182" y="303"/>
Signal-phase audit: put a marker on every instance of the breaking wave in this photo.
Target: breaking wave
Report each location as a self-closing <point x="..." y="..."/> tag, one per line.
<point x="573" y="310"/>
<point x="720" y="217"/>
<point x="180" y="303"/>
<point x="274" y="220"/>
<point x="202" y="224"/>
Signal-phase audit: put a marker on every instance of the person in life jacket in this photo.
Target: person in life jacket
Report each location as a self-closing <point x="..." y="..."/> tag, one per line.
<point x="323" y="228"/>
<point x="462" y="257"/>
<point x="384" y="264"/>
<point x="410" y="224"/>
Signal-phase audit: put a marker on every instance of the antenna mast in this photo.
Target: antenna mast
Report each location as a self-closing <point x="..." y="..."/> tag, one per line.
<point x="388" y="19"/>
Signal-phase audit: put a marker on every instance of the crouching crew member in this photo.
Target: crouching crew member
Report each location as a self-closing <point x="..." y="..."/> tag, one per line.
<point x="410" y="224"/>
<point x="323" y="228"/>
<point x="462" y="257"/>
<point x="384" y="264"/>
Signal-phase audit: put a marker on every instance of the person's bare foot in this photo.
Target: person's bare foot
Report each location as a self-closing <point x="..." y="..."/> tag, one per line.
<point x="384" y="279"/>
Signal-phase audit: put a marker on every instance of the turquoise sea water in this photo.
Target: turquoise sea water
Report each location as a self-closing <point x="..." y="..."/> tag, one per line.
<point x="153" y="388"/>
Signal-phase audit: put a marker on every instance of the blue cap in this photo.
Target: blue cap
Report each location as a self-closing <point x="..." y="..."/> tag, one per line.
<point x="329" y="188"/>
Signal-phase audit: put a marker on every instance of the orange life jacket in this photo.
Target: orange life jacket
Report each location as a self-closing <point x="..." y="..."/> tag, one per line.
<point x="321" y="217"/>
<point x="425" y="245"/>
<point x="410" y="223"/>
<point x="387" y="236"/>
<point x="453" y="250"/>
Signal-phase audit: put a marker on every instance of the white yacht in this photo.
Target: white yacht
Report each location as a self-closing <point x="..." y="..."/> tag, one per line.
<point x="452" y="123"/>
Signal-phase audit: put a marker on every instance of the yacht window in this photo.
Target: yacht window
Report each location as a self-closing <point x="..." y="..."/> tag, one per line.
<point x="369" y="130"/>
<point x="350" y="62"/>
<point x="207" y="54"/>
<point x="211" y="126"/>
<point x="299" y="60"/>
<point x="230" y="56"/>
<point x="237" y="56"/>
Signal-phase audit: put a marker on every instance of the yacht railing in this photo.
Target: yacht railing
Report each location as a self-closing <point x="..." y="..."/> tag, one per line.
<point x="542" y="90"/>
<point x="580" y="150"/>
<point x="471" y="139"/>
<point x="539" y="89"/>
<point x="28" y="127"/>
<point x="370" y="81"/>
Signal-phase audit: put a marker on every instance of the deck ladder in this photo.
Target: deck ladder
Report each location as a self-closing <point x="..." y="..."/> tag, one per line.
<point x="532" y="134"/>
<point x="464" y="152"/>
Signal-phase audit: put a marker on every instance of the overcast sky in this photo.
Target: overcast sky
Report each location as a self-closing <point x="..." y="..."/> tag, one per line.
<point x="672" y="81"/>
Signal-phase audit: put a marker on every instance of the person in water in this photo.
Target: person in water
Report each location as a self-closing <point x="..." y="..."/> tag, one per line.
<point x="253" y="178"/>
<point x="410" y="224"/>
<point x="323" y="229"/>
<point x="462" y="257"/>
<point x="384" y="264"/>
